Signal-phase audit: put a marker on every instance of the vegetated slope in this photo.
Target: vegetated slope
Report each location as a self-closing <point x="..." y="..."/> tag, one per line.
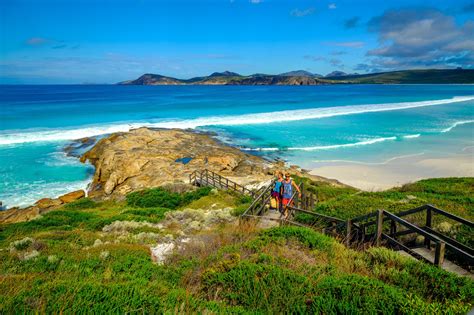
<point x="153" y="79"/>
<point x="301" y="77"/>
<point x="70" y="260"/>
<point x="454" y="195"/>
<point x="428" y="76"/>
<point x="301" y="73"/>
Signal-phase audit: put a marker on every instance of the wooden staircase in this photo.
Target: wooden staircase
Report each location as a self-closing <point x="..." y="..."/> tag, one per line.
<point x="380" y="228"/>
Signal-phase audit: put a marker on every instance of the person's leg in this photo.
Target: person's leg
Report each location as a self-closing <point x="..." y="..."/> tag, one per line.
<point x="285" y="202"/>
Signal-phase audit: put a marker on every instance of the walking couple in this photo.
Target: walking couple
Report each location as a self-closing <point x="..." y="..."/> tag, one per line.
<point x="283" y="191"/>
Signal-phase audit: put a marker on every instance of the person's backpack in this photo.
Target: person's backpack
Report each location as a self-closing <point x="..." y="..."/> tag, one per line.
<point x="273" y="203"/>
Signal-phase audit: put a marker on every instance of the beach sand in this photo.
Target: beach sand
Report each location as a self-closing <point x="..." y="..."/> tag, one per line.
<point x="398" y="171"/>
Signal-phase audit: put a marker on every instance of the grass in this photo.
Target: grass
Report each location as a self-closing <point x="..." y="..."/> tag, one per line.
<point x="226" y="269"/>
<point x="159" y="197"/>
<point x="451" y="194"/>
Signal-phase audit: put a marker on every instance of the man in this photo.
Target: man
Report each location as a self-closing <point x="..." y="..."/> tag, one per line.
<point x="287" y="192"/>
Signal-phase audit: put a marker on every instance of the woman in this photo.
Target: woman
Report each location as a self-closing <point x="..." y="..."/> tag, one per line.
<point x="276" y="191"/>
<point x="287" y="191"/>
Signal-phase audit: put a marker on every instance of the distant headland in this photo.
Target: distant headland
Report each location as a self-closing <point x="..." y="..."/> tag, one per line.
<point x="301" y="77"/>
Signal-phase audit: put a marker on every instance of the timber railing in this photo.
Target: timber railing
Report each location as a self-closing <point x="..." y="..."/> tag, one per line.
<point x="210" y="178"/>
<point x="377" y="228"/>
<point x="298" y="206"/>
<point x="260" y="202"/>
<point x="375" y="231"/>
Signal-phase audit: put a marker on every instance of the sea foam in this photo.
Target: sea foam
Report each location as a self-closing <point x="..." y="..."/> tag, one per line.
<point x="325" y="147"/>
<point x="457" y="123"/>
<point x="8" y="137"/>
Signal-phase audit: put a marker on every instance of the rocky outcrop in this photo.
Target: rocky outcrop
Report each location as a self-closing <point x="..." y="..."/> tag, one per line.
<point x="72" y="196"/>
<point x="42" y="206"/>
<point x="144" y="158"/>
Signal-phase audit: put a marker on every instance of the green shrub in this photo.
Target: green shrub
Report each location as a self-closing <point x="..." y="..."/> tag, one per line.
<point x="159" y="197"/>
<point x="54" y="220"/>
<point x="84" y="203"/>
<point x="156" y="197"/>
<point x="305" y="236"/>
<point x="243" y="199"/>
<point x="266" y="288"/>
<point x="354" y="294"/>
<point x="426" y="280"/>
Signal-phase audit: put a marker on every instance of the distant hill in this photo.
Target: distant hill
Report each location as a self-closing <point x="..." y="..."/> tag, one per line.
<point x="301" y="77"/>
<point x="225" y="74"/>
<point x="228" y="78"/>
<point x="301" y="73"/>
<point x="336" y="74"/>
<point x="428" y="76"/>
<point x="153" y="79"/>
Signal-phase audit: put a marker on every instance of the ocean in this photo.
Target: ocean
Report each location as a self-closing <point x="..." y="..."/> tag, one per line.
<point x="308" y="126"/>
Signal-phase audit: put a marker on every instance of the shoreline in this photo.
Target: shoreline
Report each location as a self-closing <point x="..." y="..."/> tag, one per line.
<point x="398" y="171"/>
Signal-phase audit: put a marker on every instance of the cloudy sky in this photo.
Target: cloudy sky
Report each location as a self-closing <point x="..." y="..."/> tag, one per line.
<point x="105" y="41"/>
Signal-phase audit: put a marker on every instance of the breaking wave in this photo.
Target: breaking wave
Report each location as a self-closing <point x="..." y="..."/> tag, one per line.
<point x="457" y="123"/>
<point x="9" y="137"/>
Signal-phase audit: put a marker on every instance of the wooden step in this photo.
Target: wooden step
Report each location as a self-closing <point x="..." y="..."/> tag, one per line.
<point x="447" y="265"/>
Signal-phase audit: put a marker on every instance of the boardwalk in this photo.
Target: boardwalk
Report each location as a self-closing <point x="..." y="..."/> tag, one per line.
<point x="380" y="228"/>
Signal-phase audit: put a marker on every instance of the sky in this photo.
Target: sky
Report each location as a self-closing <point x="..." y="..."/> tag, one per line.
<point x="107" y="41"/>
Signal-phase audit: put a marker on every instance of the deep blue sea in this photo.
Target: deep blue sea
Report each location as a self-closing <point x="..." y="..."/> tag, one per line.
<point x="305" y="125"/>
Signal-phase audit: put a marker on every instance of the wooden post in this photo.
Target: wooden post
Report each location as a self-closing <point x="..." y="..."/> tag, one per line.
<point x="439" y="253"/>
<point x="393" y="228"/>
<point x="348" y="232"/>
<point x="312" y="202"/>
<point x="378" y="234"/>
<point x="302" y="196"/>
<point x="428" y="224"/>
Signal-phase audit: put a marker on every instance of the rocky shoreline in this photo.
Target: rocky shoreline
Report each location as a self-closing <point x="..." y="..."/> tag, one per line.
<point x="145" y="158"/>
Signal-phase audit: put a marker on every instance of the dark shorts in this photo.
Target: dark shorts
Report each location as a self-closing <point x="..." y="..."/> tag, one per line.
<point x="275" y="194"/>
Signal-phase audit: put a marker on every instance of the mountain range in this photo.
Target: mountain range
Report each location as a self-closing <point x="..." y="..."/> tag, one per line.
<point x="302" y="77"/>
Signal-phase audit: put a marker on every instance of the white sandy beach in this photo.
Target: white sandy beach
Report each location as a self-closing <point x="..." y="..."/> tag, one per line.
<point x="398" y="171"/>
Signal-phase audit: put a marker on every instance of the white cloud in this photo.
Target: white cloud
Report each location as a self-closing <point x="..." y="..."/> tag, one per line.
<point x="256" y="1"/>
<point x="35" y="41"/>
<point x="301" y="13"/>
<point x="332" y="6"/>
<point x="421" y="38"/>
<point x="354" y="44"/>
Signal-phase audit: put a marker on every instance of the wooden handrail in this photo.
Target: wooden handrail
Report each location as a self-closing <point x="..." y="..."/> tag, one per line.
<point x="411" y="226"/>
<point x="262" y="196"/>
<point x="213" y="179"/>
<point x="257" y="199"/>
<point x="329" y="218"/>
<point x="451" y="216"/>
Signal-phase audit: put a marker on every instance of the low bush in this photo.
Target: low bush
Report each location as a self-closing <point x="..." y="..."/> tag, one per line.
<point x="159" y="197"/>
<point x="426" y="280"/>
<point x="306" y="236"/>
<point x="84" y="203"/>
<point x="258" y="287"/>
<point x="354" y="294"/>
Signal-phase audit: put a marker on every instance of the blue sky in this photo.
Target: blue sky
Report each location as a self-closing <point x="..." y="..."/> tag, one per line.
<point x="99" y="41"/>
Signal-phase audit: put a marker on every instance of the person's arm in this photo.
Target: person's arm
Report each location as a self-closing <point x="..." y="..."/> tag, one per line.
<point x="297" y="188"/>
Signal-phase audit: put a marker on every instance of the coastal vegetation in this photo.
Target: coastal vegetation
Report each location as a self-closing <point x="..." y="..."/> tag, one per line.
<point x="95" y="256"/>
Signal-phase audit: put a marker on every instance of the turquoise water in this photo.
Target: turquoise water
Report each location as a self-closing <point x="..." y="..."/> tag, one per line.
<point x="308" y="126"/>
